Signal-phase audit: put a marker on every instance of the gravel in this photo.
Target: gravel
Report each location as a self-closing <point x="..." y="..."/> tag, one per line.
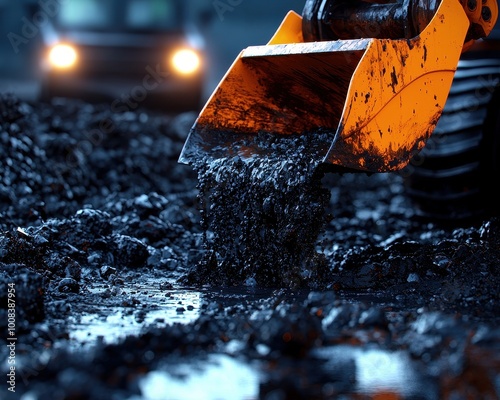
<point x="118" y="295"/>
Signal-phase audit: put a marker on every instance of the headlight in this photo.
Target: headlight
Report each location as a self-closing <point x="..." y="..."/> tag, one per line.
<point x="63" y="56"/>
<point x="186" y="61"/>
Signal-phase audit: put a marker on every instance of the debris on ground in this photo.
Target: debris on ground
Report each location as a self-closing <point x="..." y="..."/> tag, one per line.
<point x="102" y="237"/>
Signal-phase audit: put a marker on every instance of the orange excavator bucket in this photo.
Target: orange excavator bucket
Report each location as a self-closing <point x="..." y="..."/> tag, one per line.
<point x="379" y="98"/>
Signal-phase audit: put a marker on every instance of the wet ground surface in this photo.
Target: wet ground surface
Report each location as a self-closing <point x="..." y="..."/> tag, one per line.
<point x="100" y="233"/>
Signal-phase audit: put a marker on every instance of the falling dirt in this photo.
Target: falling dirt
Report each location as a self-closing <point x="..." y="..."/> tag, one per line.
<point x="263" y="213"/>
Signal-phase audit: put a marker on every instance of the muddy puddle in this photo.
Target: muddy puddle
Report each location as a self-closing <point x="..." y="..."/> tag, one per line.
<point x="113" y="323"/>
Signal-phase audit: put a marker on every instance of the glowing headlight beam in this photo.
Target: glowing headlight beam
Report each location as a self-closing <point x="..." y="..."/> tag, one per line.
<point x="63" y="56"/>
<point x="186" y="61"/>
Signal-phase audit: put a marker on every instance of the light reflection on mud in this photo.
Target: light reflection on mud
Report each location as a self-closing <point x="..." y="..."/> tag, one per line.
<point x="221" y="378"/>
<point x="377" y="371"/>
<point x="114" y="323"/>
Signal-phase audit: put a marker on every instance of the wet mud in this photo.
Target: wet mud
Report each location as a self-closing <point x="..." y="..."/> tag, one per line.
<point x="263" y="212"/>
<point x="103" y="234"/>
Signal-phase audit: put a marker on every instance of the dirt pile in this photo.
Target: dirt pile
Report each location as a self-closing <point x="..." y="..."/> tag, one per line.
<point x="100" y="228"/>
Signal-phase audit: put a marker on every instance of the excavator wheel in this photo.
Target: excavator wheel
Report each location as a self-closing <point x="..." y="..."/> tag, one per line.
<point x="455" y="177"/>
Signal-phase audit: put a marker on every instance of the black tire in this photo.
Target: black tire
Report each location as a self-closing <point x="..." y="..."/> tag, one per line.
<point x="454" y="178"/>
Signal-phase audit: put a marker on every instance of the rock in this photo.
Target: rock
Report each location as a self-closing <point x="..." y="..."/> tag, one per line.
<point x="129" y="252"/>
<point x="68" y="285"/>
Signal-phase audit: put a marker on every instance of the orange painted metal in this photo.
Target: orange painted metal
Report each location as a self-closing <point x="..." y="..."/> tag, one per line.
<point x="397" y="94"/>
<point x="482" y="15"/>
<point x="382" y="97"/>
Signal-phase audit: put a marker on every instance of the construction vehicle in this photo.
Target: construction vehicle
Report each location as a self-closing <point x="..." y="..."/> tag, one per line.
<point x="454" y="177"/>
<point x="376" y="74"/>
<point x="129" y="53"/>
